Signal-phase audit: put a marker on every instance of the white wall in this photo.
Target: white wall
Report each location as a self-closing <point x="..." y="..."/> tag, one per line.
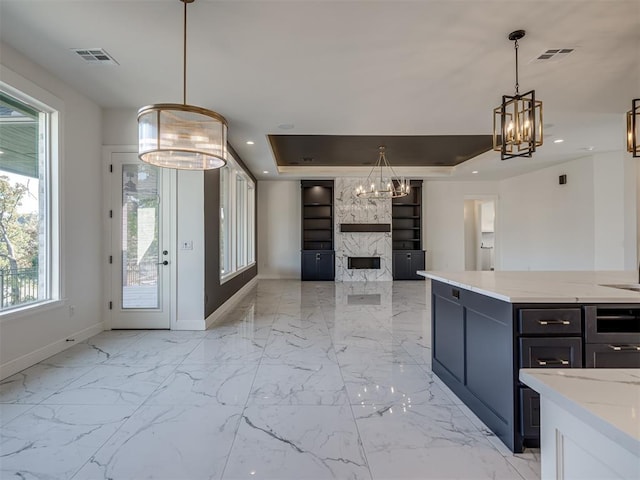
<point x="279" y="226"/>
<point x="547" y="226"/>
<point x="444" y="226"/>
<point x="190" y="264"/>
<point x="32" y="337"/>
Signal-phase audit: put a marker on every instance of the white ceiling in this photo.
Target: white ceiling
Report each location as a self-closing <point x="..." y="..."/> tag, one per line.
<point x="342" y="67"/>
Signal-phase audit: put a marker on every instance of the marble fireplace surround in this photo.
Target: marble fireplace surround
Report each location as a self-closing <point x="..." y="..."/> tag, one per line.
<point x="351" y="210"/>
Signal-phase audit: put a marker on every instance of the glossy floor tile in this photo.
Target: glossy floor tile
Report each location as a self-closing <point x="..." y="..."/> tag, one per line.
<point x="300" y="380"/>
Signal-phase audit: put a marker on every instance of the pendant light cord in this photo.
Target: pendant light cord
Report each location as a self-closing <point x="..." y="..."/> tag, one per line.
<point x="184" y="57"/>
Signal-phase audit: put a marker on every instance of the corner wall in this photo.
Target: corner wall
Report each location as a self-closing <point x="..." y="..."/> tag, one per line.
<point x="33" y="336"/>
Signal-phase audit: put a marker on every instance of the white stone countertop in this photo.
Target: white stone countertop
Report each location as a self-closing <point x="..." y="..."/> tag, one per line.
<point x="607" y="399"/>
<point x="544" y="287"/>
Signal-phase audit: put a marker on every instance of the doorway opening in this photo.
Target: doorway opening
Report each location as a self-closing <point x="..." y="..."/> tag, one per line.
<point x="480" y="234"/>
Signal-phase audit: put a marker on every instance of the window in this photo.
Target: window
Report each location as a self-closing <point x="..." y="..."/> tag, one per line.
<point x="237" y="220"/>
<point x="28" y="255"/>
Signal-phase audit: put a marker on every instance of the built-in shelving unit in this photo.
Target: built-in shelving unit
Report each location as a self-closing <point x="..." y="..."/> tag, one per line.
<point x="317" y="230"/>
<point x="406" y="233"/>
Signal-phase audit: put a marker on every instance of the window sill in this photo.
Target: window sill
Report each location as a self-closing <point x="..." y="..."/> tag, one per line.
<point x="30" y="310"/>
<point x="229" y="276"/>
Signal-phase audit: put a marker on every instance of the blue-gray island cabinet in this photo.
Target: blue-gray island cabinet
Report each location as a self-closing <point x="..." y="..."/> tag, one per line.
<point x="481" y="339"/>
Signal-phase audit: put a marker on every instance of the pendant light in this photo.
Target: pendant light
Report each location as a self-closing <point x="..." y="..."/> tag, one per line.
<point x="633" y="128"/>
<point x="382" y="181"/>
<point x="182" y="136"/>
<point x="517" y="122"/>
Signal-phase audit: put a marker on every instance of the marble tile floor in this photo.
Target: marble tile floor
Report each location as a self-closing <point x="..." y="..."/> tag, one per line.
<point x="301" y="380"/>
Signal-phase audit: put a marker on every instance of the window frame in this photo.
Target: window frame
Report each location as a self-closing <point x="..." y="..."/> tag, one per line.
<point x="27" y="92"/>
<point x="241" y="225"/>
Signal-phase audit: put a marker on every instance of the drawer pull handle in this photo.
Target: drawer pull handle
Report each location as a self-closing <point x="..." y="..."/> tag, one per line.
<point x="620" y="348"/>
<point x="554" y="322"/>
<point x="552" y="361"/>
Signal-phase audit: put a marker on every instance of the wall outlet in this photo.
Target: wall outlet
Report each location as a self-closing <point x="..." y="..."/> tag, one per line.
<point x="187" y="245"/>
<point x="72" y="310"/>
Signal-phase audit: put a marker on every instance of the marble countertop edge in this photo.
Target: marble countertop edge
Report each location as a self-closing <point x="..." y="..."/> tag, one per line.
<point x="623" y="431"/>
<point x="542" y="287"/>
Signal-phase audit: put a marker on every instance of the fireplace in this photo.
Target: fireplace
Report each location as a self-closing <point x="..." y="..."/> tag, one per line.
<point x="371" y="263"/>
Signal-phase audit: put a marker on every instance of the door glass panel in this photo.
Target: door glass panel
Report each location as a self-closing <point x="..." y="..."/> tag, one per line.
<point x="140" y="229"/>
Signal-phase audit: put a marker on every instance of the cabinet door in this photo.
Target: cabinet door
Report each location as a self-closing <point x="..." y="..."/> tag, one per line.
<point x="325" y="266"/>
<point x="309" y="266"/>
<point x="401" y="265"/>
<point x="612" y="356"/>
<point x="448" y="335"/>
<point x="417" y="263"/>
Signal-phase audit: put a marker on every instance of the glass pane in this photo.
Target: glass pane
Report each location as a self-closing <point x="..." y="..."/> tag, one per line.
<point x="225" y="222"/>
<point x="241" y="219"/>
<point x="251" y="232"/>
<point x="140" y="229"/>
<point x="23" y="208"/>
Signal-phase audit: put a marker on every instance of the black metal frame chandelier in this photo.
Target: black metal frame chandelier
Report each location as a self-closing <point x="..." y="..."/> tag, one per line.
<point x="633" y="128"/>
<point x="517" y="122"/>
<point x="381" y="184"/>
<point x="182" y="136"/>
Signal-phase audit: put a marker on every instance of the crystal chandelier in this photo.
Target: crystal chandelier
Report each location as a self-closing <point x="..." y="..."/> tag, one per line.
<point x="633" y="128"/>
<point x="182" y="136"/>
<point x="517" y="122"/>
<point x="383" y="182"/>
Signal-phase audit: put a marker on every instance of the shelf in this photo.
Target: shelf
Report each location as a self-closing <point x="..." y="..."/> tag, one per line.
<point x="317" y="218"/>
<point x="317" y="205"/>
<point x="395" y="229"/>
<point x="405" y="204"/>
<point x="320" y="229"/>
<point x="407" y="217"/>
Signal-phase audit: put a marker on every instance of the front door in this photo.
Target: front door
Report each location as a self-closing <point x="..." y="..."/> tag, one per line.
<point x="141" y="256"/>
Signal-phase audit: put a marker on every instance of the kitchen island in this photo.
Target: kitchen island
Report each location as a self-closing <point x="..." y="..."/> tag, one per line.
<point x="589" y="422"/>
<point x="486" y="326"/>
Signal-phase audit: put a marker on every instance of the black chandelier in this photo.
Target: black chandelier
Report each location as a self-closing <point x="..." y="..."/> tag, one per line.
<point x="633" y="128"/>
<point x="517" y="122"/>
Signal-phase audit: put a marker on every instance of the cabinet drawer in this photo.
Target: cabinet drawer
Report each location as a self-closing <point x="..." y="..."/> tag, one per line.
<point x="550" y="352"/>
<point x="550" y="321"/>
<point x="529" y="413"/>
<point x="612" y="356"/>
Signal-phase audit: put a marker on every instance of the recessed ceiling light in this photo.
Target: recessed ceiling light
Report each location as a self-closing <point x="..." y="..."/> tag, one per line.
<point x="250" y="142"/>
<point x="286" y="126"/>
<point x="590" y="148"/>
<point x="475" y="171"/>
<point x="1" y="152"/>
<point x="265" y="172"/>
<point x="558" y="140"/>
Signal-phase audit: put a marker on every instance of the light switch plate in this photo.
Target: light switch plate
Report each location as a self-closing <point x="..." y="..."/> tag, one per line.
<point x="187" y="245"/>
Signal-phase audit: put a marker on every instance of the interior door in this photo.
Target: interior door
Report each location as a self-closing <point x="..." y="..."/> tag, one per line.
<point x="141" y="256"/>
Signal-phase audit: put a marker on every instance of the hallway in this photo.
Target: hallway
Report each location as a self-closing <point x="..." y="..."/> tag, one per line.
<point x="302" y="380"/>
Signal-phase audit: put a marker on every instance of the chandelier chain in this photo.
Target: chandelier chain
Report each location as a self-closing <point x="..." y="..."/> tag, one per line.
<point x="517" y="82"/>
<point x="184" y="56"/>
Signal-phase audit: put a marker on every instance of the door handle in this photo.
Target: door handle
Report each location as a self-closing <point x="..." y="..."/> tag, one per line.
<point x="166" y="262"/>
<point x="554" y="322"/>
<point x="552" y="361"/>
<point x="620" y="348"/>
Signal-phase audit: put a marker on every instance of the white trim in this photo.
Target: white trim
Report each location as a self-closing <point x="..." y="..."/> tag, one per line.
<point x="274" y="276"/>
<point x="30" y="309"/>
<point x="31" y="358"/>
<point x="230" y="303"/>
<point x="189" y="325"/>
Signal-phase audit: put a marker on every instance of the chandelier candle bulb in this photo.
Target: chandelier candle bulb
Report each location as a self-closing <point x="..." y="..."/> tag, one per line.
<point x="383" y="185"/>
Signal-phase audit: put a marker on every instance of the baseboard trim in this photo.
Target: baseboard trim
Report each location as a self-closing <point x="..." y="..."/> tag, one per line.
<point x="31" y="358"/>
<point x="230" y="303"/>
<point x="270" y="276"/>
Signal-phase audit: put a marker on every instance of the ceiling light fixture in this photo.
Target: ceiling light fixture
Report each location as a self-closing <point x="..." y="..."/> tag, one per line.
<point x="474" y="172"/>
<point x="382" y="181"/>
<point x="182" y="136"/>
<point x="265" y="172"/>
<point x="517" y="122"/>
<point x="558" y="140"/>
<point x="250" y="142"/>
<point x="633" y="128"/>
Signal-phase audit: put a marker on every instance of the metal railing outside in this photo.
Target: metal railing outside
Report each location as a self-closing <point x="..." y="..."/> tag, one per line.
<point x="18" y="287"/>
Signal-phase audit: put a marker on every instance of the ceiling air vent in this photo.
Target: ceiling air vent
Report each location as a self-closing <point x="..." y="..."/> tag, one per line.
<point x="554" y="54"/>
<point x="95" y="56"/>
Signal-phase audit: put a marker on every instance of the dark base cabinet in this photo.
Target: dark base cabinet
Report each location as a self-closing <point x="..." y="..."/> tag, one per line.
<point x="406" y="263"/>
<point x="318" y="265"/>
<point x="479" y="345"/>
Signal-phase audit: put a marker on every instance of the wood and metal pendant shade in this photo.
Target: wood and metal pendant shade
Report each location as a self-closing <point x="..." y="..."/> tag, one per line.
<point x="517" y="122"/>
<point x="182" y="136"/>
